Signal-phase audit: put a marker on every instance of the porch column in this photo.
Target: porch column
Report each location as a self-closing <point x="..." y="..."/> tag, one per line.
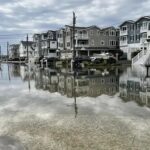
<point x="77" y="53"/>
<point x="88" y="53"/>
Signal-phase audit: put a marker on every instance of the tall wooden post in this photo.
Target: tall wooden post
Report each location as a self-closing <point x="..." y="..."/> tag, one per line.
<point x="73" y="33"/>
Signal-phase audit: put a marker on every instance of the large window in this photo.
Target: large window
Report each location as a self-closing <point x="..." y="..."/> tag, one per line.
<point x="112" y="43"/>
<point x="144" y="25"/>
<point x="123" y="38"/>
<point x="112" y="33"/>
<point x="131" y="38"/>
<point x="132" y="27"/>
<point x="124" y="28"/>
<point x="137" y="37"/>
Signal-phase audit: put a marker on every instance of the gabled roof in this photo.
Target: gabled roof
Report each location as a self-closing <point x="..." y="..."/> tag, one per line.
<point x="144" y="17"/>
<point x="25" y="43"/>
<point x="127" y="21"/>
<point x="93" y="26"/>
<point x="107" y="28"/>
<point x="77" y="27"/>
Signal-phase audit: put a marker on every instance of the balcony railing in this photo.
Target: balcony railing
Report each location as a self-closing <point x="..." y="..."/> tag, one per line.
<point x="122" y="43"/>
<point x="81" y="45"/>
<point x="144" y="29"/>
<point x="81" y="36"/>
<point x="125" y="32"/>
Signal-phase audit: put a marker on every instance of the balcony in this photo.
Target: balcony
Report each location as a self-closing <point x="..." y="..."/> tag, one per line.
<point x="123" y="43"/>
<point x="144" y="29"/>
<point x="51" y="55"/>
<point x="81" y="36"/>
<point x="143" y="40"/>
<point x="123" y="32"/>
<point x="82" y="45"/>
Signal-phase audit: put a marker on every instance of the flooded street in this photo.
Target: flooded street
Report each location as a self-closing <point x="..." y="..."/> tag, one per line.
<point x="56" y="109"/>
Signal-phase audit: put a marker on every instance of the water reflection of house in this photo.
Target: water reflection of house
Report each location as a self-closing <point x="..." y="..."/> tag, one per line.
<point x="103" y="85"/>
<point x="84" y="83"/>
<point x="27" y="72"/>
<point x="14" y="70"/>
<point x="46" y="79"/>
<point x="135" y="87"/>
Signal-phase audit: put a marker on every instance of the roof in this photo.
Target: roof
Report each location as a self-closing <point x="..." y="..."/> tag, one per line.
<point x="127" y="21"/>
<point x="144" y="17"/>
<point x="131" y="21"/>
<point x="79" y="27"/>
<point x="106" y="28"/>
<point x="25" y="43"/>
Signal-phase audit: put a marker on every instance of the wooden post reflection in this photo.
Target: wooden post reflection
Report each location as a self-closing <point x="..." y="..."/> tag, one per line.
<point x="74" y="93"/>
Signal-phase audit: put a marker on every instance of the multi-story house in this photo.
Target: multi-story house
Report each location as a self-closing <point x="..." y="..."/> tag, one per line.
<point x="37" y="47"/>
<point x="26" y="49"/>
<point x="45" y="45"/>
<point x="14" y="52"/>
<point x="134" y="35"/>
<point x="88" y="41"/>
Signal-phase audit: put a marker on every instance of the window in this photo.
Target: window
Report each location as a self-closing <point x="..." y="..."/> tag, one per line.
<point x="102" y="42"/>
<point x="112" y="33"/>
<point x="137" y="37"/>
<point x="144" y="35"/>
<point x="138" y="26"/>
<point x="68" y="33"/>
<point x="124" y="28"/>
<point x="92" y="32"/>
<point x="112" y="43"/>
<point x="144" y="25"/>
<point x="132" y="27"/>
<point x="68" y="44"/>
<point x="92" y="42"/>
<point x="123" y="38"/>
<point x="131" y="38"/>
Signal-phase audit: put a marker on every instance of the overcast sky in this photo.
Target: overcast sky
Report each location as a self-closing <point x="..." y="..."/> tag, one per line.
<point x="30" y="16"/>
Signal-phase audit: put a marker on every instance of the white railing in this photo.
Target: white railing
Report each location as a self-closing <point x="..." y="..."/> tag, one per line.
<point x="144" y="29"/>
<point x="138" y="56"/>
<point x="51" y="55"/>
<point x="123" y="43"/>
<point x="81" y="36"/>
<point x="125" y="32"/>
<point x="81" y="45"/>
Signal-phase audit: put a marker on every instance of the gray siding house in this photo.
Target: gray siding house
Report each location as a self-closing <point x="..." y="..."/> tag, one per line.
<point x="45" y="45"/>
<point x="88" y="41"/>
<point x="14" y="52"/>
<point x="134" y="35"/>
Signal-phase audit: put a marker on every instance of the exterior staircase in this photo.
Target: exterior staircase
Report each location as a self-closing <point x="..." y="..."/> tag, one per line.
<point x="141" y="58"/>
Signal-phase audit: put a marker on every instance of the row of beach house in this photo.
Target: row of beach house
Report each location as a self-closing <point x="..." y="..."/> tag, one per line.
<point x="131" y="37"/>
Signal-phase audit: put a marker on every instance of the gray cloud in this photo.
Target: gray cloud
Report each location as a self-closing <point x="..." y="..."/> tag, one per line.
<point x="28" y="16"/>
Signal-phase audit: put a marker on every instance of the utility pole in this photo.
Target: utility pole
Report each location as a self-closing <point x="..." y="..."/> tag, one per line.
<point x="7" y="51"/>
<point x="27" y="48"/>
<point x="73" y="32"/>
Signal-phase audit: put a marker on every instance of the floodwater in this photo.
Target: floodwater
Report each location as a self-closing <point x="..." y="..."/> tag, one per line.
<point x="56" y="109"/>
